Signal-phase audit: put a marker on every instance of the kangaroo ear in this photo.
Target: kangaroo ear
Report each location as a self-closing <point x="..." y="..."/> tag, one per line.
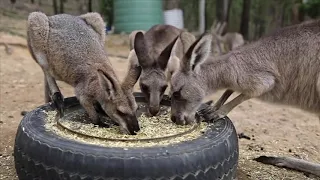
<point x="107" y="84"/>
<point x="186" y="39"/>
<point x="132" y="36"/>
<point x="176" y="55"/>
<point x="181" y="46"/>
<point x="142" y="51"/>
<point x="165" y="55"/>
<point x="198" y="52"/>
<point x="133" y="72"/>
<point x="96" y="22"/>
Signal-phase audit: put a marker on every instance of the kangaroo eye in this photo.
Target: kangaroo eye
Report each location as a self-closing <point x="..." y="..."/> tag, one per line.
<point x="144" y="88"/>
<point x="176" y="94"/>
<point x="163" y="88"/>
<point x="121" y="113"/>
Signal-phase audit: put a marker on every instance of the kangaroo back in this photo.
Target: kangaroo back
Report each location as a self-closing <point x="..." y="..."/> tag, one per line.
<point x="37" y="33"/>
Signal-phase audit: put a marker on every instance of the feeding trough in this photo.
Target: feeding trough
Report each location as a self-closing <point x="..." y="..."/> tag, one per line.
<point x="47" y="147"/>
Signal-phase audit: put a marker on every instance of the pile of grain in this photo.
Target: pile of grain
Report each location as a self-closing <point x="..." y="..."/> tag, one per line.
<point x="150" y="127"/>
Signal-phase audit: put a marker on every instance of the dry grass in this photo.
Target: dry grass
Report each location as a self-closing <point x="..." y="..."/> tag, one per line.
<point x="151" y="127"/>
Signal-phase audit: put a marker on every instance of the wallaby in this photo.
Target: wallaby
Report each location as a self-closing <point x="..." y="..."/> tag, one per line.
<point x="283" y="68"/>
<point x="71" y="49"/>
<point x="153" y="50"/>
<point x="226" y="42"/>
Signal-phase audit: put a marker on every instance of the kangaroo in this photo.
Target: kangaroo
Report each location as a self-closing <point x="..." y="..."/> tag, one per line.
<point x="282" y="67"/>
<point x="71" y="49"/>
<point x="153" y="50"/>
<point x="224" y="43"/>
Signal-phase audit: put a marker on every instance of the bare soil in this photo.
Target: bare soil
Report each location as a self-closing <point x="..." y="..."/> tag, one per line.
<point x="273" y="129"/>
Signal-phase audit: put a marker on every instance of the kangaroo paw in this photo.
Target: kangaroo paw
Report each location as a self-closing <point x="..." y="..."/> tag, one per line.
<point x="58" y="101"/>
<point x="211" y="114"/>
<point x="207" y="112"/>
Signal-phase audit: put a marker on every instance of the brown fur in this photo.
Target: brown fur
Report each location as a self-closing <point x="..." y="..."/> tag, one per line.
<point x="282" y="68"/>
<point x="71" y="49"/>
<point x="153" y="50"/>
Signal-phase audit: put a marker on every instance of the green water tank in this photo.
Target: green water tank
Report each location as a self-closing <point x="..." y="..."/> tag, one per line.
<point x="130" y="15"/>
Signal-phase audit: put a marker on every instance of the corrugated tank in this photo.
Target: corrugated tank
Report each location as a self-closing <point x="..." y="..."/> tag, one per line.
<point x="130" y="15"/>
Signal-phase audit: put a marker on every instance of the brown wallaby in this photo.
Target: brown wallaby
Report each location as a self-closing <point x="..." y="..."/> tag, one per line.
<point x="283" y="68"/>
<point x="153" y="50"/>
<point x="71" y="49"/>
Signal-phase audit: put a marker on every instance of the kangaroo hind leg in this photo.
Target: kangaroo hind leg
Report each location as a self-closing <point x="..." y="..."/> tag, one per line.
<point x="52" y="91"/>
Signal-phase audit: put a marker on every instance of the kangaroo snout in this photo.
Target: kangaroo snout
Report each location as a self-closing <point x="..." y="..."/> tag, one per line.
<point x="154" y="110"/>
<point x="133" y="125"/>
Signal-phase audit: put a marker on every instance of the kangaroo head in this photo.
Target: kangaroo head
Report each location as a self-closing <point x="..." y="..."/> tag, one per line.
<point x="187" y="90"/>
<point x="153" y="82"/>
<point x="117" y="100"/>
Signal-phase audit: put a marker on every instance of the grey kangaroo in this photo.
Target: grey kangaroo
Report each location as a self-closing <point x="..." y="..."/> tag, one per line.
<point x="71" y="49"/>
<point x="153" y="50"/>
<point x="283" y="68"/>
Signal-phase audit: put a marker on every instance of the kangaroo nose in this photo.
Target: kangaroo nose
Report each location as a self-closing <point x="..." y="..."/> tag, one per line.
<point x="180" y="120"/>
<point x="154" y="110"/>
<point x="133" y="125"/>
<point x="173" y="118"/>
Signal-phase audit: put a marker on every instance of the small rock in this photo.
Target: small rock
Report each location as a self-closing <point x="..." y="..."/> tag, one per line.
<point x="1" y="122"/>
<point x="10" y="116"/>
<point x="23" y="113"/>
<point x="290" y="150"/>
<point x="242" y="135"/>
<point x="261" y="148"/>
<point x="297" y="155"/>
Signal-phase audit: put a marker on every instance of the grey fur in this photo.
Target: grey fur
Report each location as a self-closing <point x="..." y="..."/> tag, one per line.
<point x="71" y="49"/>
<point x="281" y="68"/>
<point x="153" y="50"/>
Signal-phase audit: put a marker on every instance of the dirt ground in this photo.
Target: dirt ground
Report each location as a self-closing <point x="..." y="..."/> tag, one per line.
<point x="273" y="129"/>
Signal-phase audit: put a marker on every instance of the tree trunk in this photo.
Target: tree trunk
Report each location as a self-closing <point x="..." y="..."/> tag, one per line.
<point x="171" y="4"/>
<point x="228" y="10"/>
<point x="202" y="18"/>
<point x="245" y="19"/>
<point x="61" y="7"/>
<point x="297" y="15"/>
<point x="222" y="10"/>
<point x="283" y="15"/>
<point x="55" y="6"/>
<point x="89" y="5"/>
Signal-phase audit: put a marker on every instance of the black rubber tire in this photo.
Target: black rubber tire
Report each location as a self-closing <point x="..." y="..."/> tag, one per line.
<point x="40" y="154"/>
